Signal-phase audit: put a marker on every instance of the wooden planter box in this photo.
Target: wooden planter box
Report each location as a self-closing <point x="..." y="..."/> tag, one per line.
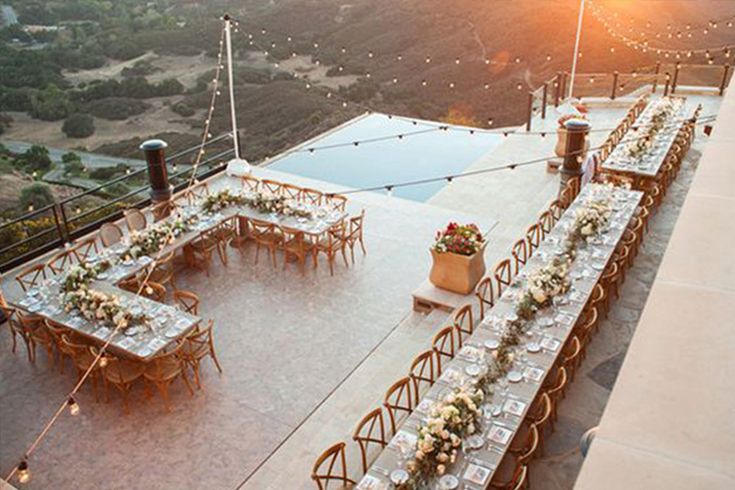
<point x="457" y="273"/>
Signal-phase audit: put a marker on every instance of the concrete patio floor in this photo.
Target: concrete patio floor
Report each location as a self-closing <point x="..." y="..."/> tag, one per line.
<point x="305" y="357"/>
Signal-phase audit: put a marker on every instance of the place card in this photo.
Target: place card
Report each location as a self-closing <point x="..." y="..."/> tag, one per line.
<point x="370" y="482"/>
<point x="564" y="319"/>
<point x="533" y="373"/>
<point x="476" y="474"/>
<point x="404" y="441"/>
<point x="499" y="435"/>
<point x="425" y="406"/>
<point x="514" y="407"/>
<point x="453" y="377"/>
<point x="471" y="352"/>
<point x="156" y="344"/>
<point x="550" y="343"/>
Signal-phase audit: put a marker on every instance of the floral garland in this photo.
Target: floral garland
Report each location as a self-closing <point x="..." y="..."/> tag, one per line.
<point x="459" y="239"/>
<point x="458" y="415"/>
<point x="95" y="305"/>
<point x="261" y="201"/>
<point x="664" y="109"/>
<point x="151" y="240"/>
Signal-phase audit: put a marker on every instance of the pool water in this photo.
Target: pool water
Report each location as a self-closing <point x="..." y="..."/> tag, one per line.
<point x="414" y="157"/>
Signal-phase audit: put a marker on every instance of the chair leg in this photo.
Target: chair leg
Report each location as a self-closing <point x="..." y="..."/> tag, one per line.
<point x="362" y="246"/>
<point x="186" y="381"/>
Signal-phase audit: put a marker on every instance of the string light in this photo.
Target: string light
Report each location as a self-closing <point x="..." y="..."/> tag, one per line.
<point x="73" y="406"/>
<point x="24" y="472"/>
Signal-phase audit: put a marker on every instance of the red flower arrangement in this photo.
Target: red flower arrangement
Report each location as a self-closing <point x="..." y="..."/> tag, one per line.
<point x="459" y="239"/>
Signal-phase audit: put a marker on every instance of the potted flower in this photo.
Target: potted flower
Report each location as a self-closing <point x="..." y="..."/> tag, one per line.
<point x="458" y="256"/>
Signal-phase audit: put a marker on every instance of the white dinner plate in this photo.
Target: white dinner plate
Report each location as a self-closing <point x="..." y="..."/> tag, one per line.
<point x="515" y="376"/>
<point x="448" y="482"/>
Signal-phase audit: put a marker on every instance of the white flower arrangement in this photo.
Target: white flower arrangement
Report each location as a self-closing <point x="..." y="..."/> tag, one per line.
<point x="591" y="219"/>
<point x="549" y="281"/>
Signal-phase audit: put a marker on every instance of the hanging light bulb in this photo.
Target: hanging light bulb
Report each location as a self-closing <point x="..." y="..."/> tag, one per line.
<point x="103" y="361"/>
<point x="24" y="473"/>
<point x="73" y="406"/>
<point x="519" y="86"/>
<point x="456" y="61"/>
<point x="428" y="59"/>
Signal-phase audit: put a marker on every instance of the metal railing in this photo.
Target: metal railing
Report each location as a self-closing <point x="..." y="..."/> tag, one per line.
<point x="665" y="78"/>
<point x="38" y="231"/>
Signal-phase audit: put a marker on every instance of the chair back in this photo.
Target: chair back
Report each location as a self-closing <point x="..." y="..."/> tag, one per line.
<point x="166" y="365"/>
<point x="485" y="293"/>
<point x="198" y="192"/>
<point x="250" y="183"/>
<point x="557" y="209"/>
<point x="370" y="430"/>
<point x="31" y="277"/>
<point x="85" y="249"/>
<point x="546" y="222"/>
<point x="163" y="210"/>
<point x="330" y="466"/>
<point x="423" y="370"/>
<point x="197" y="340"/>
<point x="336" y="201"/>
<point x="271" y="187"/>
<point x="291" y="191"/>
<point x="503" y="275"/>
<point x="445" y="345"/>
<point x="135" y="220"/>
<point x="110" y="234"/>
<point x="260" y="229"/>
<point x="534" y="235"/>
<point x="154" y="291"/>
<point x="399" y="399"/>
<point x="187" y="301"/>
<point x="312" y="196"/>
<point x="61" y="261"/>
<point x="463" y="321"/>
<point x="293" y="239"/>
<point x="520" y="254"/>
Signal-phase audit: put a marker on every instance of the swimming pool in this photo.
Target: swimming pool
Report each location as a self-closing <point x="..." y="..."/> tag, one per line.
<point x="414" y="157"/>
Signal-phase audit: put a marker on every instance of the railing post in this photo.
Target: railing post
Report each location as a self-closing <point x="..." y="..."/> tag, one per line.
<point x="64" y="222"/>
<point x="543" y="100"/>
<point x="666" y="86"/>
<point x="530" y="111"/>
<point x="676" y="77"/>
<point x="557" y="85"/>
<point x="723" y="83"/>
<point x="614" y="85"/>
<point x="63" y="237"/>
<point x="655" y="78"/>
<point x="563" y="85"/>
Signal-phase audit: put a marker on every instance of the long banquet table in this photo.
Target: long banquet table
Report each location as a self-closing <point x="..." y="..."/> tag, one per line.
<point x="649" y="164"/>
<point x="167" y="324"/>
<point x="513" y="396"/>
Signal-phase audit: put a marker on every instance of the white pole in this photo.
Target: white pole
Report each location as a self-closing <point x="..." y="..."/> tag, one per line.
<point x="576" y="48"/>
<point x="228" y="40"/>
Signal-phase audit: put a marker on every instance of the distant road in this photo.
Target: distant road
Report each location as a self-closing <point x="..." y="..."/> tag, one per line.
<point x="90" y="160"/>
<point x="9" y="17"/>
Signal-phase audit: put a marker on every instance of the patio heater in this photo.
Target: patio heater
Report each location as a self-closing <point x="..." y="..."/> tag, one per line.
<point x="238" y="165"/>
<point x="157" y="173"/>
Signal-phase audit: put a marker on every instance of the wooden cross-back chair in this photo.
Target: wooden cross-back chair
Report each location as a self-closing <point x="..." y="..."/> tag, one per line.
<point x="312" y="196"/>
<point x="271" y="187"/>
<point x="355" y="234"/>
<point x="266" y="235"/>
<point x="503" y="275"/>
<point x="250" y="183"/>
<point x="187" y="301"/>
<point x="85" y="249"/>
<point x="291" y="191"/>
<point x="163" y="210"/>
<point x="198" y="192"/>
<point x="135" y="219"/>
<point x="336" y="201"/>
<point x="485" y="293"/>
<point x="370" y="431"/>
<point x="520" y="254"/>
<point x="445" y="345"/>
<point x="330" y="243"/>
<point x="557" y="209"/>
<point x="164" y="369"/>
<point x="336" y="468"/>
<point x="198" y="345"/>
<point x="61" y="261"/>
<point x="293" y="245"/>
<point x="11" y="318"/>
<point x="120" y="373"/>
<point x="110" y="234"/>
<point x="31" y="276"/>
<point x="399" y="401"/>
<point x="534" y="236"/>
<point x="546" y="222"/>
<point x="464" y="322"/>
<point x="423" y="369"/>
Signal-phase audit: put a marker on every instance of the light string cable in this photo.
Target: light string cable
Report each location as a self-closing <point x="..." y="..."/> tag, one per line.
<point x="250" y="38"/>
<point x="440" y="128"/>
<point x="510" y="166"/>
<point x="23" y="465"/>
<point x="645" y="46"/>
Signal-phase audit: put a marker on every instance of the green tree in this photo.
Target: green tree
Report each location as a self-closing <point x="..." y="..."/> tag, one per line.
<point x="36" y="196"/>
<point x="73" y="165"/>
<point x="36" y="158"/>
<point x="50" y="104"/>
<point x="78" y="126"/>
